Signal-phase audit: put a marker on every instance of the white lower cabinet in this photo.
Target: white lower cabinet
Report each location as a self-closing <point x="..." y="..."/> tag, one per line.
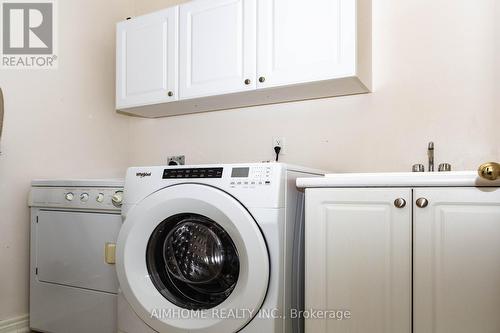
<point x="359" y="258"/>
<point x="457" y="261"/>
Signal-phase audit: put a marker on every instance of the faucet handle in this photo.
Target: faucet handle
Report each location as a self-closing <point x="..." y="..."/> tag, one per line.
<point x="418" y="168"/>
<point x="444" y="167"/>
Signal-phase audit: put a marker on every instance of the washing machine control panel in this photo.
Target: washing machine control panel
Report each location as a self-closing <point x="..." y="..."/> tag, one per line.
<point x="193" y="173"/>
<point x="241" y="176"/>
<point x="251" y="177"/>
<point x="238" y="176"/>
<point x="254" y="184"/>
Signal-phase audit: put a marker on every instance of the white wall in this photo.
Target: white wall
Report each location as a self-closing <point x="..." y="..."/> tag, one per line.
<point x="436" y="69"/>
<point x="58" y="123"/>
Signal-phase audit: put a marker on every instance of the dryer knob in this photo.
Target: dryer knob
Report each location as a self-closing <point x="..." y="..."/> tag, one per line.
<point x="117" y="199"/>
<point x="84" y="197"/>
<point x="100" y="197"/>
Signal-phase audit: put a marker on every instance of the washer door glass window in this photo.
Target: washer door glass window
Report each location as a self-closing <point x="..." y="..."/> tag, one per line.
<point x="192" y="246"/>
<point x="192" y="261"/>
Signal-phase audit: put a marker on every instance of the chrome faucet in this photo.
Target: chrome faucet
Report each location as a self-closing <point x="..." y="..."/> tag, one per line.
<point x="443" y="167"/>
<point x="430" y="155"/>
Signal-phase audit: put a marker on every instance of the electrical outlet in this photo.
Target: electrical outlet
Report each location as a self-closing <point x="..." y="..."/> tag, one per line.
<point x="176" y="160"/>
<point x="280" y="142"/>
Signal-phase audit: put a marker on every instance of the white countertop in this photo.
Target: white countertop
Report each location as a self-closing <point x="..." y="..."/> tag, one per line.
<point x="399" y="179"/>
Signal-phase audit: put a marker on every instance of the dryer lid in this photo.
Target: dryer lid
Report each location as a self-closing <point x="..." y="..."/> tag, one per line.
<point x="192" y="247"/>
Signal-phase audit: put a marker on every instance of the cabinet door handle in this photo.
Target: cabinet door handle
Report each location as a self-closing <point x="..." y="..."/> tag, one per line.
<point x="262" y="79"/>
<point x="247" y="82"/>
<point x="170" y="93"/>
<point x="400" y="203"/>
<point x="422" y="202"/>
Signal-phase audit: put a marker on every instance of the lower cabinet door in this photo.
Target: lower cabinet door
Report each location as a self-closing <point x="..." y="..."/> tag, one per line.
<point x="358" y="260"/>
<point x="457" y="260"/>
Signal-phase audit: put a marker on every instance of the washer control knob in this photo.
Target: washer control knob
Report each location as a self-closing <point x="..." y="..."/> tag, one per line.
<point x="84" y="197"/>
<point x="117" y="198"/>
<point x="100" y="197"/>
<point x="70" y="196"/>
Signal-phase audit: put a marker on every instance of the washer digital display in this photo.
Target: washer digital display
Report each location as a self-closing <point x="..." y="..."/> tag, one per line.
<point x="240" y="172"/>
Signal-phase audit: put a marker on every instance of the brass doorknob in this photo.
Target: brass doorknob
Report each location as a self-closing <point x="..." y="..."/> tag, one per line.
<point x="489" y="171"/>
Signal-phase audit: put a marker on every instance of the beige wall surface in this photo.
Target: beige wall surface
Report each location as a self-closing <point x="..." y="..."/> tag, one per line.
<point x="436" y="72"/>
<point x="58" y="123"/>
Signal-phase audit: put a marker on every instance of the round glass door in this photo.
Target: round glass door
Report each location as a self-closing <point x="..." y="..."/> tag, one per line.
<point x="192" y="261"/>
<point x="193" y="247"/>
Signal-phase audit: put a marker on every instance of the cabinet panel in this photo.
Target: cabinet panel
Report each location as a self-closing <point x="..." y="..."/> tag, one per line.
<point x="457" y="261"/>
<point x="147" y="53"/>
<point x="217" y="47"/>
<point x="358" y="258"/>
<point x="304" y="41"/>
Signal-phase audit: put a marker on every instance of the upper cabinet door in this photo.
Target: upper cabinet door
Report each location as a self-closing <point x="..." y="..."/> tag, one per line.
<point x="358" y="259"/>
<point x="303" y="41"/>
<point x="217" y="47"/>
<point x="457" y="260"/>
<point x="147" y="59"/>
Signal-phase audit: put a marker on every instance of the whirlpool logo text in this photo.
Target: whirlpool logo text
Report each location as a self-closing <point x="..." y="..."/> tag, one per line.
<point x="143" y="174"/>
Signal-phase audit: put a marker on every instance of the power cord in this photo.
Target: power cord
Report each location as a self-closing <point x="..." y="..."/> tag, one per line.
<point x="277" y="150"/>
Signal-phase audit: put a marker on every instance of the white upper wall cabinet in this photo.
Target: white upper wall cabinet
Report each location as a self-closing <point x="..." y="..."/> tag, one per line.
<point x="147" y="53"/>
<point x="303" y="41"/>
<point x="217" y="47"/>
<point x="239" y="53"/>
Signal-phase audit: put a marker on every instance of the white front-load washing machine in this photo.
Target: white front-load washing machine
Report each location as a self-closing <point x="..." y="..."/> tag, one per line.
<point x="211" y="249"/>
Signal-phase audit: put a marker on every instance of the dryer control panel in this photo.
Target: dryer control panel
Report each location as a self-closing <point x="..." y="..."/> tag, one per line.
<point x="95" y="198"/>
